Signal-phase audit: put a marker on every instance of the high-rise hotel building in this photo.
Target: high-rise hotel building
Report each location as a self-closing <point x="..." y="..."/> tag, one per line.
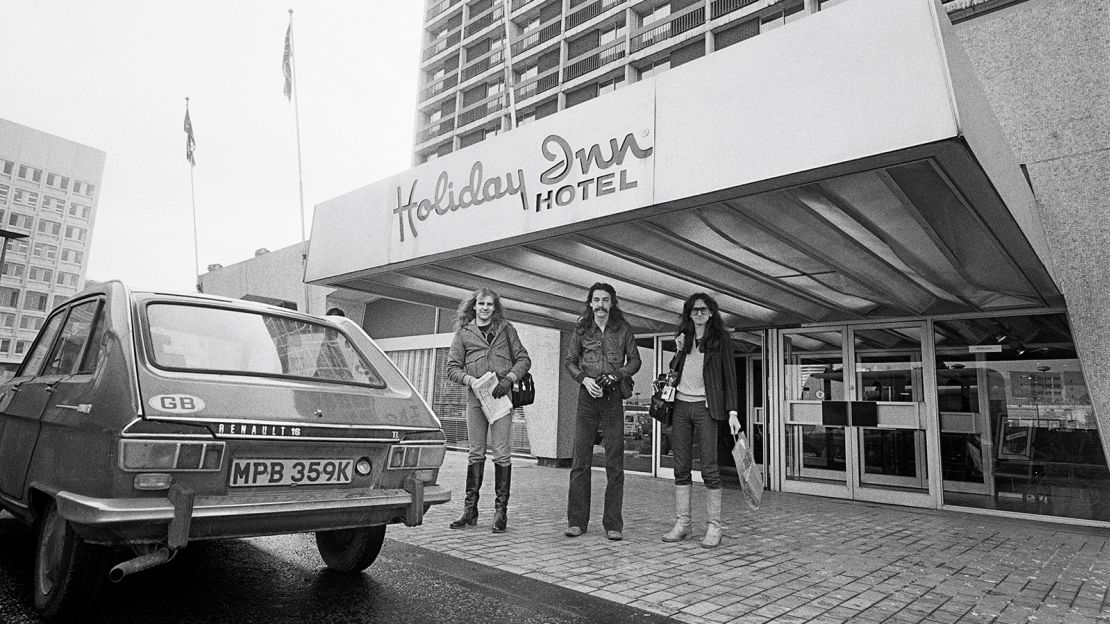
<point x="49" y="187"/>
<point x="560" y="53"/>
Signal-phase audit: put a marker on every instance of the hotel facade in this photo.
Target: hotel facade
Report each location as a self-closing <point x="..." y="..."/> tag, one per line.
<point x="900" y="207"/>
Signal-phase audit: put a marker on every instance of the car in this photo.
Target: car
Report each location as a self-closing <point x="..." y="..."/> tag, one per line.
<point x="140" y="422"/>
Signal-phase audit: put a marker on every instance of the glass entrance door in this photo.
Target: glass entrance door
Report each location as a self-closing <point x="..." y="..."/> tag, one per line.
<point x="854" y="412"/>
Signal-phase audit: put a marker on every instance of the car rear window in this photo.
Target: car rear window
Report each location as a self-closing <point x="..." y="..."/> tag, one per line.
<point x="198" y="338"/>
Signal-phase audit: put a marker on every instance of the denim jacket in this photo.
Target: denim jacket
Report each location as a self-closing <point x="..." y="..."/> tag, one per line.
<point x="593" y="352"/>
<point x="470" y="354"/>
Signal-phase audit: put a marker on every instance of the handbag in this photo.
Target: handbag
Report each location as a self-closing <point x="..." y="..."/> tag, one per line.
<point x="661" y="407"/>
<point x="751" y="477"/>
<point x="524" y="391"/>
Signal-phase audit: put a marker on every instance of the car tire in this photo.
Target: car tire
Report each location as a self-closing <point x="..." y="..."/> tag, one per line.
<point x="350" y="550"/>
<point x="68" y="571"/>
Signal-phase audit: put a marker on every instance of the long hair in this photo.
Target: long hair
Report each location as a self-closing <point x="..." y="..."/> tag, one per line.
<point x="586" y="321"/>
<point x="715" y="333"/>
<point x="465" y="312"/>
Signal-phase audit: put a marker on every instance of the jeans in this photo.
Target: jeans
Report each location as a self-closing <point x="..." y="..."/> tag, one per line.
<point x="476" y="427"/>
<point x="609" y="411"/>
<point x="692" y="423"/>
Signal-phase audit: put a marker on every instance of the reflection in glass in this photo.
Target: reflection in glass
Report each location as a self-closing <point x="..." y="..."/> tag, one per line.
<point x="814" y="374"/>
<point x="1018" y="431"/>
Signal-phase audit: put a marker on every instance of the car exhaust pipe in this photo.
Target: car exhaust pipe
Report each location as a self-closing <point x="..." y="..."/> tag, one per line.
<point x="140" y="563"/>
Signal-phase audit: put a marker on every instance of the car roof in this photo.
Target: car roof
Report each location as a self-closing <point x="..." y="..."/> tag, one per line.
<point x="138" y="295"/>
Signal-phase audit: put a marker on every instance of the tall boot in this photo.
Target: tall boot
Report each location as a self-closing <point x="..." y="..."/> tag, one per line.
<point x="503" y="477"/>
<point x="714" y="526"/>
<point x="470" y="502"/>
<point x="682" y="514"/>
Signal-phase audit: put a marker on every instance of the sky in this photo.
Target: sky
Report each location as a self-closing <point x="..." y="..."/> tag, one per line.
<point x="114" y="75"/>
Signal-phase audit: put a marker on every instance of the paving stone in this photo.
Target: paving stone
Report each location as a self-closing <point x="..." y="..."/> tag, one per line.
<point x="799" y="559"/>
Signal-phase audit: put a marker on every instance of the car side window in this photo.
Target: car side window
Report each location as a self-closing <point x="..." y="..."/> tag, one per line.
<point x="43" y="345"/>
<point x="76" y="332"/>
<point x="92" y="351"/>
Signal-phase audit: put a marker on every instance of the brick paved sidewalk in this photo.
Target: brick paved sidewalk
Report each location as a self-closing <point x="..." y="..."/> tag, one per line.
<point x="798" y="559"/>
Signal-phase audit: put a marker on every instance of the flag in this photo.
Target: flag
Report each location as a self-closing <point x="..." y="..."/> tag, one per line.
<point x="287" y="60"/>
<point x="190" y="142"/>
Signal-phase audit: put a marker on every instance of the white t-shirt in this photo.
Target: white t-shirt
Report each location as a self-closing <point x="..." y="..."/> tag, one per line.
<point x="691" y="386"/>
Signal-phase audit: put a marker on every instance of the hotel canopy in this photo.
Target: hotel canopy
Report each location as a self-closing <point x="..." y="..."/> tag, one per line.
<point x="846" y="167"/>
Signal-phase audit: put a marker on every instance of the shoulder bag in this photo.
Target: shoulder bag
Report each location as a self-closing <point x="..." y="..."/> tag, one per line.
<point x="662" y="400"/>
<point x="524" y="389"/>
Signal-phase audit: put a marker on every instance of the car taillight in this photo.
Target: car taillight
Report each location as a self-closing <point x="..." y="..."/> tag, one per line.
<point x="170" y="455"/>
<point x="414" y="457"/>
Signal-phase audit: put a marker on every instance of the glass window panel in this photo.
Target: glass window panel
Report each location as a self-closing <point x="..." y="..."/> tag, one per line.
<point x="1017" y="427"/>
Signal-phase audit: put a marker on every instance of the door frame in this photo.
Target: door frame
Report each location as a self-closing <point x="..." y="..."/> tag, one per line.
<point x="660" y="365"/>
<point x="852" y="488"/>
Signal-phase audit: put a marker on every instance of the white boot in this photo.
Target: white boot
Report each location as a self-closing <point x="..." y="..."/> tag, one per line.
<point x="713" y="519"/>
<point x="682" y="514"/>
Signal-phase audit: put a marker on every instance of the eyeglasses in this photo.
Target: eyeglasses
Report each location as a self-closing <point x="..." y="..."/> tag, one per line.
<point x="698" y="310"/>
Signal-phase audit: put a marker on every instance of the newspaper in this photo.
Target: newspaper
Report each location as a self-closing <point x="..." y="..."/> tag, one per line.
<point x="493" y="408"/>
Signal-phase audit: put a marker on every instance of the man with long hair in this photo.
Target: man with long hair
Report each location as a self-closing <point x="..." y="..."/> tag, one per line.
<point x="602" y="358"/>
<point x="484" y="341"/>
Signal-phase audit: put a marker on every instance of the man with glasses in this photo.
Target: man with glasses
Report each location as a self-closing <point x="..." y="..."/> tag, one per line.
<point x="602" y="357"/>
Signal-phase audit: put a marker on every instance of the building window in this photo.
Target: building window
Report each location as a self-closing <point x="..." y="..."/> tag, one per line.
<point x="57" y="181"/>
<point x="40" y="274"/>
<point x="20" y="347"/>
<point x="8" y="166"/>
<point x="48" y="227"/>
<point x="35" y="301"/>
<point x="781" y="18"/>
<point x="67" y="279"/>
<point x="53" y="203"/>
<point x="21" y="221"/>
<point x="30" y="173"/>
<point x="9" y="297"/>
<point x="655" y="68"/>
<point x="660" y="12"/>
<point x="82" y="188"/>
<point x="611" y="33"/>
<point x="5" y="345"/>
<point x="7" y="321"/>
<point x="5" y="190"/>
<point x="32" y="323"/>
<point x="80" y="211"/>
<point x="12" y="269"/>
<point x="45" y="251"/>
<point x="610" y="85"/>
<point x="18" y="246"/>
<point x="25" y="198"/>
<point x="72" y="256"/>
<point x="75" y="233"/>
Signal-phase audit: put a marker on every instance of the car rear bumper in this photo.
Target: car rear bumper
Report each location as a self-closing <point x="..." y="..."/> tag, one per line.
<point x="152" y="520"/>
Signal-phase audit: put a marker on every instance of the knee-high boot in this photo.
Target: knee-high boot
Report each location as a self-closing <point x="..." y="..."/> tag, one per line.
<point x="682" y="514"/>
<point x="713" y="519"/>
<point x="470" y="502"/>
<point x="503" y="476"/>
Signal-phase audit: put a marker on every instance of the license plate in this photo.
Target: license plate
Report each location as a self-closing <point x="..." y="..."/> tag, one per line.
<point x="259" y="472"/>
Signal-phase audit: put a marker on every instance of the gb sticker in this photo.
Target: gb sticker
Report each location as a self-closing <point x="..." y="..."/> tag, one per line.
<point x="177" y="403"/>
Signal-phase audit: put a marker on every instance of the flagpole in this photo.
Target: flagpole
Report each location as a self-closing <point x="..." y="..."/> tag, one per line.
<point x="300" y="174"/>
<point x="193" y="197"/>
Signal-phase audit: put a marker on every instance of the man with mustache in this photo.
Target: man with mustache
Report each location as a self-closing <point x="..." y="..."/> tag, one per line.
<point x="602" y="357"/>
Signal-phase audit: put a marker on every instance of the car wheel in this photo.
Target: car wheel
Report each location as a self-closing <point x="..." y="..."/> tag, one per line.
<point x="350" y="550"/>
<point x="68" y="571"/>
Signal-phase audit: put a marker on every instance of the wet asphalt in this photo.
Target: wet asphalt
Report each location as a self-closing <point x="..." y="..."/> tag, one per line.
<point x="279" y="580"/>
